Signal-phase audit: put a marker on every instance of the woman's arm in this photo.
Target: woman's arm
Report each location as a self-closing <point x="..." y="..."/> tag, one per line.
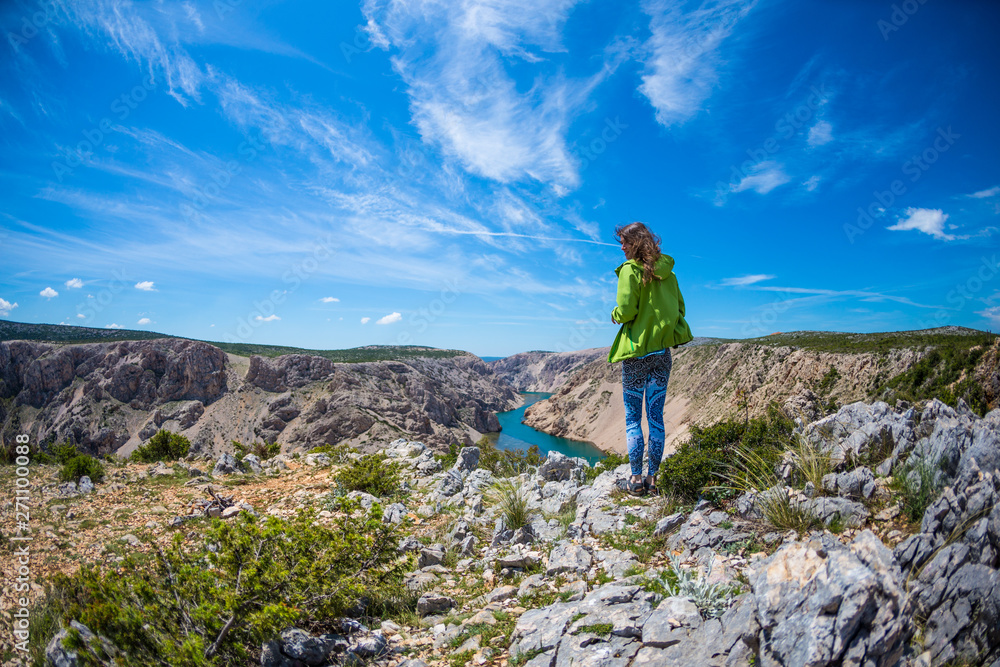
<point x="628" y="295"/>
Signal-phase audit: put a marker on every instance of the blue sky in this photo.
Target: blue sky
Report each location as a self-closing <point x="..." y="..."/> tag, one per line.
<point x="334" y="174"/>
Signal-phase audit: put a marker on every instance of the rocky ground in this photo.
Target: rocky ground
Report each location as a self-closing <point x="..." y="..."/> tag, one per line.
<point x="108" y="397"/>
<point x="601" y="578"/>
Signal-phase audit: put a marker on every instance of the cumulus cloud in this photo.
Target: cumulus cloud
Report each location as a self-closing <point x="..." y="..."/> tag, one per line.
<point x="143" y="320"/>
<point x="74" y="283"/>
<point x="113" y="326"/>
<point x="81" y="316"/>
<point x="391" y="318"/>
<point x="330" y="299"/>
<point x="820" y="133"/>
<point x="145" y="286"/>
<point x="48" y="293"/>
<point x="927" y="220"/>
<point x="746" y="280"/>
<point x="6" y="306"/>
<point x="365" y="320"/>
<point x="269" y="318"/>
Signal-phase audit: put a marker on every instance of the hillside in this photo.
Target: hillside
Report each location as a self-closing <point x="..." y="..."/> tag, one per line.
<point x="71" y="335"/>
<point x="112" y="396"/>
<point x="809" y="372"/>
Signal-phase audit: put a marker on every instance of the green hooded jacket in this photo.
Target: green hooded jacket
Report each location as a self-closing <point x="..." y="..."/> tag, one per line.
<point x="651" y="315"/>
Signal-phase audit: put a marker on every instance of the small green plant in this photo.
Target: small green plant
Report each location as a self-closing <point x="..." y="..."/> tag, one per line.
<point x="918" y="482"/>
<point x="637" y="536"/>
<point x="511" y="501"/>
<point x="829" y="380"/>
<point x="448" y="460"/>
<point x="810" y="462"/>
<point x="79" y="466"/>
<point x="63" y="452"/>
<point x="749" y="472"/>
<point x="372" y="473"/>
<point x="599" y="629"/>
<point x="712" y="600"/>
<point x="507" y="462"/>
<point x="611" y="461"/>
<point x="164" y="446"/>
<point x="262" y="450"/>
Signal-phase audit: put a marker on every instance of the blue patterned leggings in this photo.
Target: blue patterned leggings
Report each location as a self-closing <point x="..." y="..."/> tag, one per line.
<point x="647" y="376"/>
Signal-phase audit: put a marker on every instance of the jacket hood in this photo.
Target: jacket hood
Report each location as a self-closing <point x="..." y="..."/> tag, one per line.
<point x="664" y="266"/>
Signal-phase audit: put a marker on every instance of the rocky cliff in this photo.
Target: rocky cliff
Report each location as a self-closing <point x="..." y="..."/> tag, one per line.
<point x="112" y="396"/>
<point x="544" y="371"/>
<point x="715" y="381"/>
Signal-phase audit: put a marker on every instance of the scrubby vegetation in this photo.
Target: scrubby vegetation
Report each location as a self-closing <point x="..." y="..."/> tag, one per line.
<point x="81" y="465"/>
<point x="164" y="446"/>
<point x="611" y="461"/>
<point x="262" y="450"/>
<point x="700" y="465"/>
<point x="372" y="473"/>
<point x="511" y="502"/>
<point x="215" y="601"/>
<point x="947" y="373"/>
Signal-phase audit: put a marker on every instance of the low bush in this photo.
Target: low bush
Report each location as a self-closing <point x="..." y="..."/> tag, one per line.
<point x="372" y="473"/>
<point x="918" y="482"/>
<point x="164" y="446"/>
<point x="214" y="601"/>
<point x="81" y="465"/>
<point x="507" y="462"/>
<point x="611" y="461"/>
<point x="262" y="450"/>
<point x="699" y="465"/>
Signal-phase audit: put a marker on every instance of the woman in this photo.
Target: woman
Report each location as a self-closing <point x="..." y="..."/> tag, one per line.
<point x="651" y="311"/>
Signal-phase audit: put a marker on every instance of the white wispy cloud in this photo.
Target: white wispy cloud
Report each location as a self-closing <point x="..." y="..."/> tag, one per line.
<point x="74" y="283"/>
<point x="453" y="58"/>
<point x="681" y="69"/>
<point x="48" y="293"/>
<point x="144" y="321"/>
<point x="992" y="314"/>
<point x="987" y="193"/>
<point x="927" y="220"/>
<point x="6" y="306"/>
<point x="145" y="286"/>
<point x="821" y="133"/>
<point x="812" y="182"/>
<point x="365" y="320"/>
<point x="330" y="299"/>
<point x="814" y="293"/>
<point x="269" y="318"/>
<point x="391" y="318"/>
<point x="747" y="280"/>
<point x="763" y="178"/>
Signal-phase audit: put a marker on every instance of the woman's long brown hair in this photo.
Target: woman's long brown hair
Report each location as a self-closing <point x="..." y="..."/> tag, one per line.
<point x="641" y="245"/>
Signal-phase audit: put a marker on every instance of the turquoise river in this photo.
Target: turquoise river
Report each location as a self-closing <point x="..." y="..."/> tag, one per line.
<point x="515" y="435"/>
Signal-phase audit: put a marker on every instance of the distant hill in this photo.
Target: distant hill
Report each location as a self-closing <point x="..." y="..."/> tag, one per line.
<point x="73" y="335"/>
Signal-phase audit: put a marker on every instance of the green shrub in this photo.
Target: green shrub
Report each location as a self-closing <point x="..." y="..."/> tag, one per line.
<point x="448" y="460"/>
<point x="63" y="452"/>
<point x="507" y="462"/>
<point x="164" y="446"/>
<point x="509" y="498"/>
<point x="610" y="461"/>
<point x="79" y="466"/>
<point x="918" y="482"/>
<point x="372" y="473"/>
<point x="214" y="601"/>
<point x="262" y="450"/>
<point x="946" y="373"/>
<point x="700" y="463"/>
<point x="339" y="453"/>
